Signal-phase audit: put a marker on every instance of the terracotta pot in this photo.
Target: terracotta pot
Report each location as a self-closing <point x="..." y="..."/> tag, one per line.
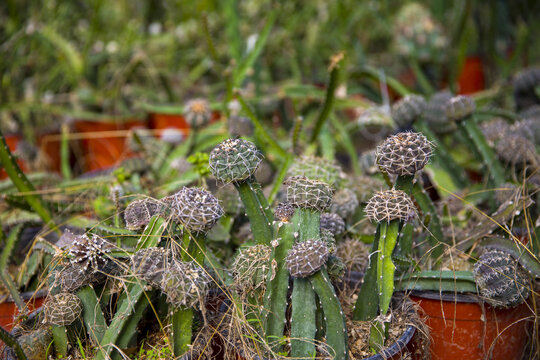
<point x="12" y="141"/>
<point x="9" y="311"/>
<point x="162" y="121"/>
<point x="471" y="79"/>
<point x="458" y="330"/>
<point x="49" y="144"/>
<point x="104" y="145"/>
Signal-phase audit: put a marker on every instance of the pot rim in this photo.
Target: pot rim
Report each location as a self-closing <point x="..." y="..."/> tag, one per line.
<point x="447" y="296"/>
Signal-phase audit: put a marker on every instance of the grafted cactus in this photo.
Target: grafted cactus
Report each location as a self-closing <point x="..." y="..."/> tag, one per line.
<point x="184" y="283"/>
<point x="404" y="153"/>
<point x="250" y="268"/>
<point x="73" y="277"/>
<point x="284" y="211"/>
<point x="517" y="150"/>
<point x="435" y="113"/>
<point x="316" y="168"/>
<point x="344" y="203"/>
<point x="332" y="222"/>
<point x="150" y="264"/>
<point x="90" y="252"/>
<point x="307" y="193"/>
<point x="408" y="109"/>
<point x="234" y="160"/>
<point x="354" y="254"/>
<point x="502" y="281"/>
<point x="390" y="205"/>
<point x="139" y="212"/>
<point x="306" y="258"/>
<point x="62" y="309"/>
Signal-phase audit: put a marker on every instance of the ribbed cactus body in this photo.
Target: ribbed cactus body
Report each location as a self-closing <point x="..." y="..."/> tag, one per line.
<point x="459" y="107"/>
<point x="196" y="209"/>
<point x="494" y="130"/>
<point x="408" y="109"/>
<point x="234" y="160"/>
<point x="501" y="279"/>
<point x="316" y="168"/>
<point x="139" y="212"/>
<point x="251" y="266"/>
<point x="365" y="186"/>
<point x="90" y="252"/>
<point x="515" y="149"/>
<point x="404" y="153"/>
<point x="197" y="113"/>
<point x="306" y="258"/>
<point x="240" y="126"/>
<point x="150" y="264"/>
<point x="344" y="203"/>
<point x="185" y="284"/>
<point x="62" y="309"/>
<point x="229" y="200"/>
<point x="73" y="277"/>
<point x="389" y="205"/>
<point x="435" y="113"/>
<point x="354" y="254"/>
<point x="306" y="193"/>
<point x="284" y="211"/>
<point x="333" y="223"/>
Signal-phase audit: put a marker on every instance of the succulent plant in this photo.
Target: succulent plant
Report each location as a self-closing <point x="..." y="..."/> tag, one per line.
<point x="185" y="284"/>
<point x="516" y="150"/>
<point x="197" y="113"/>
<point x="234" y="160"/>
<point x="494" y="130"/>
<point x="364" y="187"/>
<point x="389" y="205"/>
<point x="354" y="254"/>
<point x="368" y="162"/>
<point x="344" y="203"/>
<point x="90" y="252"/>
<point x="139" y="212"/>
<point x="501" y="279"/>
<point x="306" y="258"/>
<point x="196" y="209"/>
<point x="459" y="107"/>
<point x="316" y="168"/>
<point x="335" y="268"/>
<point x="62" y="309"/>
<point x="329" y="239"/>
<point x="525" y="83"/>
<point x="239" y="126"/>
<point x="435" y="113"/>
<point x="333" y="223"/>
<point x="408" y="109"/>
<point x="307" y="193"/>
<point x="72" y="277"/>
<point x="250" y="268"/>
<point x="284" y="211"/>
<point x="404" y="154"/>
<point x="150" y="264"/>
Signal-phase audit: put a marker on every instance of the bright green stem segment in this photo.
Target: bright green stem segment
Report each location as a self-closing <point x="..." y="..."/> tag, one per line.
<point x="152" y="234"/>
<point x="5" y="277"/>
<point x="261" y="225"/>
<point x="440" y="281"/>
<point x="367" y="305"/>
<point x="336" y="332"/>
<point x="64" y="153"/>
<point x="23" y="185"/>
<point x="442" y="155"/>
<point x="308" y="224"/>
<point x="303" y="325"/>
<point x="404" y="183"/>
<point x="276" y="290"/>
<point x="92" y="315"/>
<point x="436" y="237"/>
<point x="129" y="334"/>
<point x="182" y="323"/>
<point x="10" y="341"/>
<point x="263" y="201"/>
<point x="385" y="266"/>
<point x="377" y="336"/>
<point x="60" y="340"/>
<point x="493" y="166"/>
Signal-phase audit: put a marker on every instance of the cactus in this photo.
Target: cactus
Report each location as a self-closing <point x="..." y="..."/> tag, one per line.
<point x="389" y="205"/>
<point x="61" y="310"/>
<point x="12" y="342"/>
<point x="404" y="153"/>
<point x="332" y="222"/>
<point x="500" y="279"/>
<point x="408" y="109"/>
<point x="312" y="194"/>
<point x="150" y="264"/>
<point x="306" y="258"/>
<point x="197" y="113"/>
<point x="344" y="203"/>
<point x="250" y="268"/>
<point x="139" y="212"/>
<point x="316" y="168"/>
<point x="90" y="252"/>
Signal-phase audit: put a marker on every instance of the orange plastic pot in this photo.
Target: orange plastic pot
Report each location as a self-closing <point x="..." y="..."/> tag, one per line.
<point x="471" y="79"/>
<point x="49" y="144"/>
<point x="12" y="141"/>
<point x="9" y="311"/>
<point x="162" y="121"/>
<point x="103" y="143"/>
<point x="464" y="328"/>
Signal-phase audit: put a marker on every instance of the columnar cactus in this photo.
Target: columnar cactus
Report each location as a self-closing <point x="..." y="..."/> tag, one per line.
<point x="404" y="154"/>
<point x="196" y="209"/>
<point x="502" y="281"/>
<point x="408" y="109"/>
<point x="139" y="212"/>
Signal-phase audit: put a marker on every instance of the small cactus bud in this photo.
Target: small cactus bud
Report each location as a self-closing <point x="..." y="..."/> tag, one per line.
<point x="251" y="266"/>
<point x="501" y="279"/>
<point x="305" y="193"/>
<point x="344" y="203"/>
<point x="408" y="109"/>
<point x="332" y="222"/>
<point x="284" y="211"/>
<point x="354" y="253"/>
<point x="389" y="205"/>
<point x="90" y="252"/>
<point x="149" y="264"/>
<point x="139" y="212"/>
<point x="435" y="113"/>
<point x="240" y="126"/>
<point x="459" y="107"/>
<point x="196" y="209"/>
<point x="62" y="309"/>
<point x="234" y="160"/>
<point x="404" y="154"/>
<point x="185" y="284"/>
<point x="197" y="113"/>
<point x="316" y="168"/>
<point x="306" y="258"/>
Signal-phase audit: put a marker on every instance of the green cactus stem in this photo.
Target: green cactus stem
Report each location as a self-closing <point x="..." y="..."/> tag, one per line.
<point x="261" y="223"/>
<point x="10" y="341"/>
<point x="303" y="324"/>
<point x="8" y="246"/>
<point x="441" y="281"/>
<point x="60" y="338"/>
<point x="92" y="315"/>
<point x="385" y="266"/>
<point x="367" y="305"/>
<point x="182" y="322"/>
<point x="436" y="237"/>
<point x="23" y="185"/>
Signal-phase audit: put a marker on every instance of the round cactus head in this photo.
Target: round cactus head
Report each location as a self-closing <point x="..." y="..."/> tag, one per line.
<point x="284" y="211"/>
<point x="502" y="281"/>
<point x="72" y="277"/>
<point x="197" y="113"/>
<point x="459" y="107"/>
<point x="494" y="130"/>
<point x="196" y="209"/>
<point x="149" y="264"/>
<point x="234" y="160"/>
<point x="90" y="252"/>
<point x="344" y="203"/>
<point x="404" y="153"/>
<point x="305" y="193"/>
<point x="185" y="284"/>
<point x="306" y="258"/>
<point x="251" y="266"/>
<point x="365" y="186"/>
<point x="139" y="212"/>
<point x="516" y="150"/>
<point x="354" y="253"/>
<point x="333" y="223"/>
<point x="408" y="109"/>
<point x="389" y="205"/>
<point x="62" y="309"/>
<point x="435" y="113"/>
<point x="316" y="168"/>
<point x="368" y="162"/>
